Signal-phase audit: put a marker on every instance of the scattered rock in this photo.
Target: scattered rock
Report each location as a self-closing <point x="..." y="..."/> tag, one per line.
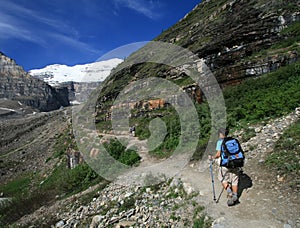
<point x="287" y="226"/>
<point x="219" y="223"/>
<point x="257" y="130"/>
<point x="60" y="224"/>
<point x="96" y="220"/>
<point x="188" y="189"/>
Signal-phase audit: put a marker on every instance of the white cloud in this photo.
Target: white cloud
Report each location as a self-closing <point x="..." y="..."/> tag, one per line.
<point x="147" y="8"/>
<point x="20" y="22"/>
<point x="11" y="27"/>
<point x="69" y="41"/>
<point x="11" y="31"/>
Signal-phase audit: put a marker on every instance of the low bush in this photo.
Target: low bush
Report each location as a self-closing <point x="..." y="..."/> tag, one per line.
<point x="120" y="153"/>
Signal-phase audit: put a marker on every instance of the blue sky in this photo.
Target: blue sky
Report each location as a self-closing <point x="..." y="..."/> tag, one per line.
<point x="37" y="33"/>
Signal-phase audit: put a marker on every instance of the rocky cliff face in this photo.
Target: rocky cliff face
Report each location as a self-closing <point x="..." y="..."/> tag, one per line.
<point x="16" y="84"/>
<point x="237" y="39"/>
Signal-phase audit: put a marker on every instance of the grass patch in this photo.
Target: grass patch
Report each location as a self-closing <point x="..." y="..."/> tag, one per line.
<point x="286" y="155"/>
<point x="292" y="36"/>
<point x="31" y="191"/>
<point x="272" y="95"/>
<point x="66" y="182"/>
<point x="128" y="204"/>
<point x="17" y="187"/>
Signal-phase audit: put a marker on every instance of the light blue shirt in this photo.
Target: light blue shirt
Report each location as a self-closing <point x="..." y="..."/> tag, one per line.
<point x="219" y="144"/>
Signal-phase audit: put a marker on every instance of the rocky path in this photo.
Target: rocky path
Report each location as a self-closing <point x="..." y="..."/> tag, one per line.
<point x="268" y="203"/>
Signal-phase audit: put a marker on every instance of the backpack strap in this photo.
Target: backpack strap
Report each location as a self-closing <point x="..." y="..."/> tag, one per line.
<point x="224" y="146"/>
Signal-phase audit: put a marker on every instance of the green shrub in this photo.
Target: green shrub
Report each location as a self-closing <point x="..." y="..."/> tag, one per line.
<point x="120" y="153"/>
<point x="22" y="205"/>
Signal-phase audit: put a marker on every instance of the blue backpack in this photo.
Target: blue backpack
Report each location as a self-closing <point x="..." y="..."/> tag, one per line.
<point x="232" y="155"/>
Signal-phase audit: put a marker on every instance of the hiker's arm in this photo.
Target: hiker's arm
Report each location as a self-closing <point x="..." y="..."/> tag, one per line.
<point x="218" y="154"/>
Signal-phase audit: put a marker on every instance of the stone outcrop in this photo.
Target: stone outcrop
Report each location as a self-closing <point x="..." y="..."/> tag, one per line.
<point x="225" y="33"/>
<point x="16" y="84"/>
<point x="237" y="39"/>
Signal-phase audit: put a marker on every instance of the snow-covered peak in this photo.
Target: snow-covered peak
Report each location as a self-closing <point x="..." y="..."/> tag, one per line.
<point x="91" y="72"/>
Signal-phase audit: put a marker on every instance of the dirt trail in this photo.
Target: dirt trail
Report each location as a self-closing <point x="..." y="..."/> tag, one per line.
<point x="268" y="203"/>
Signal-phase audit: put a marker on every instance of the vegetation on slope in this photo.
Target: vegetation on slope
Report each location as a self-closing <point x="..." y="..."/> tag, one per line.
<point x="285" y="159"/>
<point x="33" y="190"/>
<point x="269" y="96"/>
<point x="121" y="154"/>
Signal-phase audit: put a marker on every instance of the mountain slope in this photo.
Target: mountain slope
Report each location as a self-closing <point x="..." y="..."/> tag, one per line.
<point x="230" y="36"/>
<point x="237" y="40"/>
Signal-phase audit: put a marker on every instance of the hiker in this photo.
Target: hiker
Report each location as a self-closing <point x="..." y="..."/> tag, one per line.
<point x="133" y="131"/>
<point x="227" y="176"/>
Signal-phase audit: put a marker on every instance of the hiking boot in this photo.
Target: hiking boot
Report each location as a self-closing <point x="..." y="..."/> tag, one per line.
<point x="235" y="197"/>
<point x="230" y="201"/>
<point x="229" y="194"/>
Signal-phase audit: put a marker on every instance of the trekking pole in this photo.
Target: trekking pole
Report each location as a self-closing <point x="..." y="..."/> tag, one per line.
<point x="212" y="180"/>
<point x="217" y="201"/>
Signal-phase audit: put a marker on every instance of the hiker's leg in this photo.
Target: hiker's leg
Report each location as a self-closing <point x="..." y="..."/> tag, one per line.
<point x="234" y="181"/>
<point x="224" y="178"/>
<point x="235" y="188"/>
<point x="225" y="185"/>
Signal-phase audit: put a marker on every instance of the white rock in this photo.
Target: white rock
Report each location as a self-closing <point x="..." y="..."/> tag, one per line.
<point x="60" y="224"/>
<point x="257" y="130"/>
<point x="219" y="223"/>
<point x="96" y="220"/>
<point x="128" y="194"/>
<point x="175" y="182"/>
<point x="187" y="188"/>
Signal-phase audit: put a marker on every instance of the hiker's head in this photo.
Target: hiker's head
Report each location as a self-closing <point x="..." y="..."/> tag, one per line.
<point x="223" y="132"/>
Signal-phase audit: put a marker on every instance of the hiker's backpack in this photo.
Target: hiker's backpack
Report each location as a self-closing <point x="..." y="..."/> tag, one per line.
<point x="232" y="155"/>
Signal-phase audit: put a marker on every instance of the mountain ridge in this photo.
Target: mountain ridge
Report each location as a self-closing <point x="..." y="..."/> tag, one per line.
<point x="17" y="84"/>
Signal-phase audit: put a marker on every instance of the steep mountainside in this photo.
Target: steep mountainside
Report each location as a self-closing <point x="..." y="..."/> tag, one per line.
<point x="240" y="38"/>
<point x="237" y="39"/>
<point x="18" y="85"/>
